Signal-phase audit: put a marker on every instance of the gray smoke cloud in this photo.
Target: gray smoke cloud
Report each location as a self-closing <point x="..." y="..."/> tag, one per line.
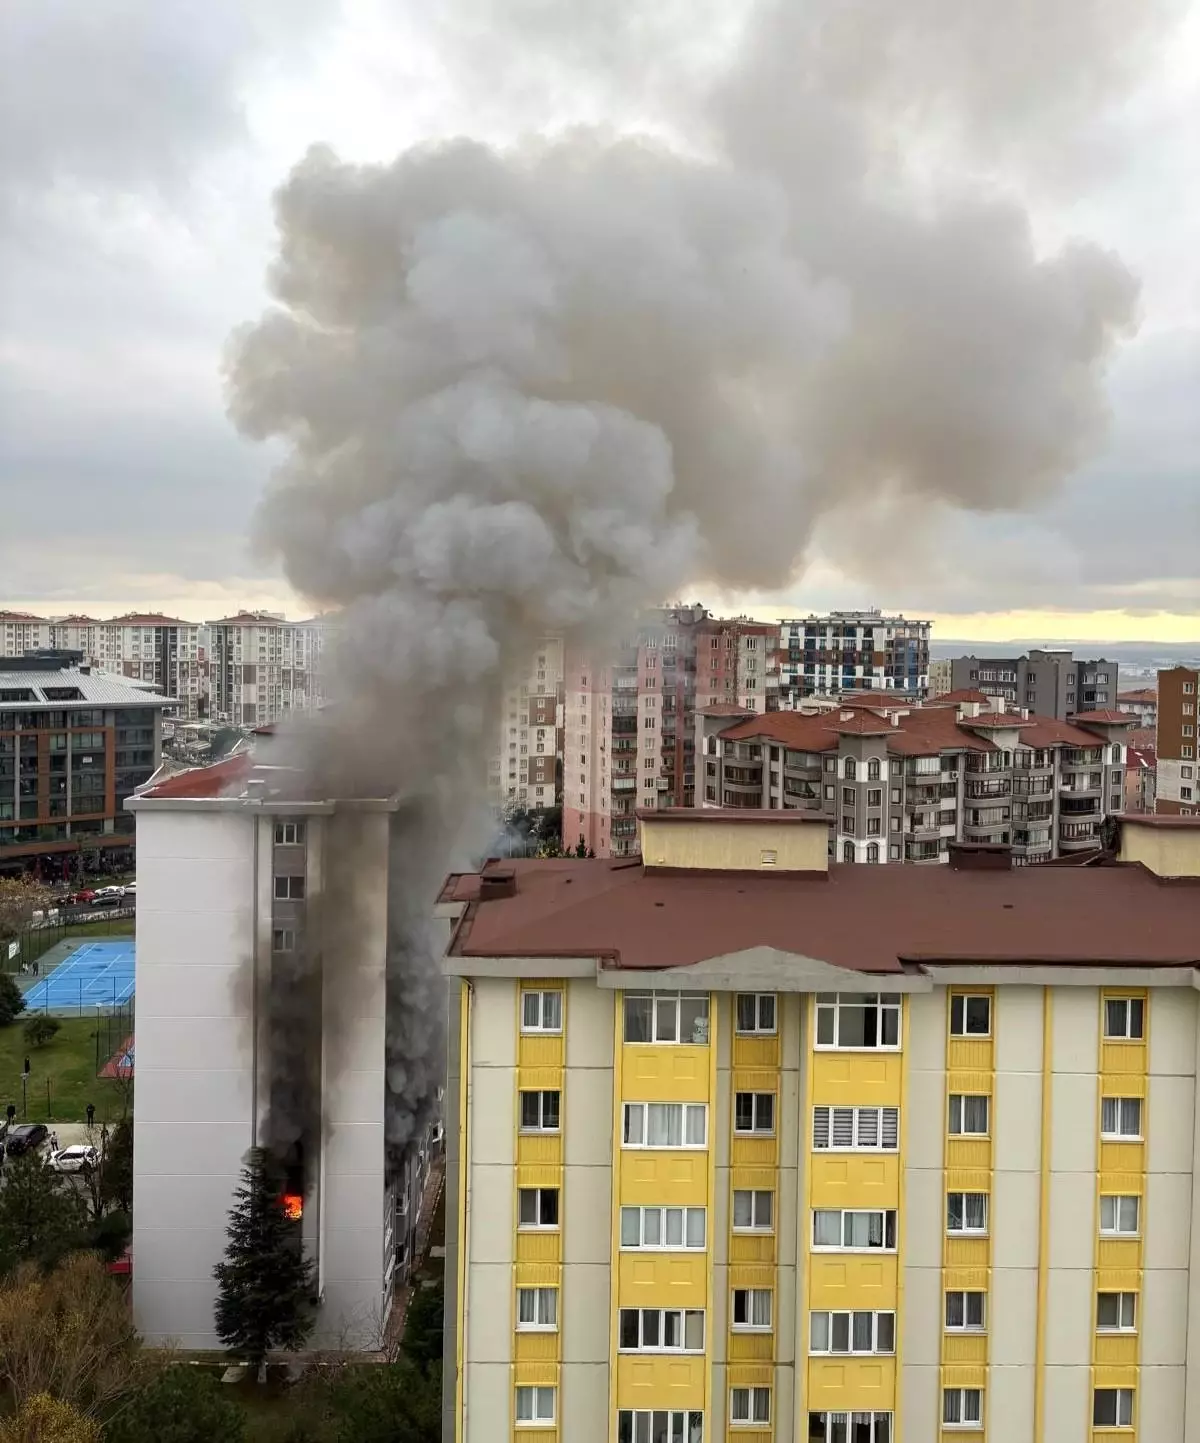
<point x="532" y="387"/>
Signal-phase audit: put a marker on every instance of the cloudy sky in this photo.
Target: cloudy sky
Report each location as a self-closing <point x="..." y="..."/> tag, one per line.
<point x="141" y="143"/>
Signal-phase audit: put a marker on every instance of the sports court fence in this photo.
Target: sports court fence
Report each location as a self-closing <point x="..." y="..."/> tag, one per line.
<point x="34" y="942"/>
<point x="76" y="998"/>
<point x="114" y="1040"/>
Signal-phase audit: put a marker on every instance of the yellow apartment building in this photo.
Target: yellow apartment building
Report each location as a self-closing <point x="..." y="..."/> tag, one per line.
<point x="743" y="1145"/>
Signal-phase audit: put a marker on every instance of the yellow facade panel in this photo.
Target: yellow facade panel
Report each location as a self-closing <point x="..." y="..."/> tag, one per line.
<point x="756" y="1152"/>
<point x="852" y="1281"/>
<point x="1122" y="1158"/>
<point x="752" y="1275"/>
<point x="536" y="1053"/>
<point x="535" y="1374"/>
<point x="534" y="1435"/>
<point x="535" y="1347"/>
<point x="538" y="1150"/>
<point x="1115" y="1376"/>
<point x="662" y="1280"/>
<point x="851" y="1383"/>
<point x="861" y="1079"/>
<point x="856" y="1180"/>
<point x="538" y="1174"/>
<point x="965" y="1349"/>
<point x="970" y="1253"/>
<point x="968" y="1179"/>
<point x="535" y="1275"/>
<point x="755" y="1080"/>
<point x="753" y="1177"/>
<point x="1123" y="1059"/>
<point x="751" y="1347"/>
<point x="1116" y="1350"/>
<point x="539" y="1247"/>
<point x="964" y="1375"/>
<point x="665" y="1073"/>
<point x="660" y="1380"/>
<point x="750" y="1435"/>
<point x="535" y="1077"/>
<point x="969" y="1154"/>
<point x="663" y="1178"/>
<point x="756" y="1052"/>
<point x="1118" y="1280"/>
<point x="750" y="1375"/>
<point x="955" y="1435"/>
<point x="966" y="1279"/>
<point x="969" y="1080"/>
<point x="1119" y="1254"/>
<point x="970" y="1054"/>
<point x="752" y="1248"/>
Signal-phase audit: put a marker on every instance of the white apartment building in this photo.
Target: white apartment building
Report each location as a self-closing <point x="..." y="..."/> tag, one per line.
<point x="20" y="632"/>
<point x="165" y="650"/>
<point x="262" y="666"/>
<point x="522" y="767"/>
<point x="845" y="651"/>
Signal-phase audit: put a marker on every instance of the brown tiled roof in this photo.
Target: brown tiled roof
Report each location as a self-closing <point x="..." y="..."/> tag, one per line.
<point x="1046" y="731"/>
<point x="20" y="616"/>
<point x="952" y="698"/>
<point x="149" y="618"/>
<point x="1143" y="738"/>
<point x="634" y="919"/>
<point x="724" y="708"/>
<point x="204" y="782"/>
<point x="1147" y="694"/>
<point x="1109" y="716"/>
<point x="802" y="731"/>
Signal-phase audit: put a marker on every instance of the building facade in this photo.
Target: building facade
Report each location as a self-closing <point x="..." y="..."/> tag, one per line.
<point x="904" y="784"/>
<point x="1141" y="704"/>
<point x="852" y="651"/>
<point x="74" y="745"/>
<point x="1052" y="683"/>
<point x="729" y="1160"/>
<point x="941" y="676"/>
<point x="263" y="666"/>
<point x="524" y="769"/>
<point x="1176" y="788"/>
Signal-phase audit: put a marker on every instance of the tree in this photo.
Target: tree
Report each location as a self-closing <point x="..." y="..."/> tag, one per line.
<point x="40" y="1029"/>
<point x="395" y="1404"/>
<point x="40" y="1220"/>
<point x="114" y="1176"/>
<point x="20" y="898"/>
<point x="423" y="1327"/>
<point x="265" y="1286"/>
<point x="181" y="1404"/>
<point x="12" y="1000"/>
<point x="43" y="1419"/>
<point x="68" y="1333"/>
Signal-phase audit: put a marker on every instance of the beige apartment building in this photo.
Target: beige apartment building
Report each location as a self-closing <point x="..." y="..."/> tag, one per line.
<point x="264" y="666"/>
<point x="526" y="752"/>
<point x="744" y="1145"/>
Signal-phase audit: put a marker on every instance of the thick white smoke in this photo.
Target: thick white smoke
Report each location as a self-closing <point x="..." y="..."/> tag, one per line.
<point x="535" y="387"/>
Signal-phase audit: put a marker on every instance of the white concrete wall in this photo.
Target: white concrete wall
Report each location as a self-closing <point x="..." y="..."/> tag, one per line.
<point x="195" y="1084"/>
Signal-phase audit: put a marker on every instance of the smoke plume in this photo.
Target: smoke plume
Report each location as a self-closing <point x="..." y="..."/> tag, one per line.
<point x="530" y="388"/>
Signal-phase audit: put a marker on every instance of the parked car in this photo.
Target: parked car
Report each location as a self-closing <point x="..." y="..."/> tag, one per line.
<point x="26" y="1137"/>
<point x="108" y="897"/>
<point x="84" y="895"/>
<point x="79" y="1157"/>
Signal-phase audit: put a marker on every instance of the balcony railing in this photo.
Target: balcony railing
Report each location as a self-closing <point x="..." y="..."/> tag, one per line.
<point x="999" y="787"/>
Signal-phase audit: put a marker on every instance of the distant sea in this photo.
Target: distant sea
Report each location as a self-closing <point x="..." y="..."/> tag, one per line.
<point x="1133" y="657"/>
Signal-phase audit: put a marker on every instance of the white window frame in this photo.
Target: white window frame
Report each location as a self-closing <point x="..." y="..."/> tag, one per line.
<point x="282" y="839"/>
<point x="957" y="1402"/>
<point x="542" y="1005"/>
<point x="540" y="1227"/>
<point x="1117" y="1205"/>
<point x="753" y="1296"/>
<point x="958" y="1114"/>
<point x="537" y="1397"/>
<point x="1126" y="1313"/>
<point x="538" y="1297"/>
<point x="760" y="1102"/>
<point x="964" y="998"/>
<point x="886" y="1006"/>
<point x="1124" y="1403"/>
<point x="753" y="1226"/>
<point x="688" y="1111"/>
<point x="662" y="1214"/>
<point x="964" y="1230"/>
<point x="759" y="1003"/>
<point x="966" y="1326"/>
<point x="681" y="1316"/>
<point x="1128" y="1005"/>
<point x="679" y="1422"/>
<point x="1123" y="1107"/>
<point x="849" y="1314"/>
<point x="283" y="939"/>
<point x="874" y="1418"/>
<point x="885" y="1214"/>
<point x="750" y="1407"/>
<point x="541" y="1093"/>
<point x="663" y="1004"/>
<point x="283" y="889"/>
<point x="863" y="1123"/>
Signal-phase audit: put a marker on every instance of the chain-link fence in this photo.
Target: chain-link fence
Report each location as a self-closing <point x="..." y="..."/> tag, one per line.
<point x="21" y="953"/>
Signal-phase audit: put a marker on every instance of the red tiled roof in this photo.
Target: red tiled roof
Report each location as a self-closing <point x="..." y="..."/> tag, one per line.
<point x="149" y="618"/>
<point x="1108" y="716"/>
<point x="20" y="616"/>
<point x="863" y="724"/>
<point x="952" y="698"/>
<point x="201" y="782"/>
<point x="724" y="708"/>
<point x="648" y="919"/>
<point x="249" y="618"/>
<point x="1147" y="694"/>
<point x="802" y="731"/>
<point x="1046" y="731"/>
<point x="1144" y="738"/>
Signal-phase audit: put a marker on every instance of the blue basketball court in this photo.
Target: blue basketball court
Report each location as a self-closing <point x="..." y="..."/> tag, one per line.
<point x="96" y="974"/>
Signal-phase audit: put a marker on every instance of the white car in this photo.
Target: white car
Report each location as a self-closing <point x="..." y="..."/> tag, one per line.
<point x="77" y="1158"/>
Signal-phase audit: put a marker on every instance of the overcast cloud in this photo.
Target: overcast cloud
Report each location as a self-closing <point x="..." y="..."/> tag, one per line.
<point x="140" y="144"/>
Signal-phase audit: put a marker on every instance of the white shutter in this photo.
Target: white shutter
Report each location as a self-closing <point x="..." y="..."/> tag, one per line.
<point x="891" y="1128"/>
<point x="868" y="1127"/>
<point x="820" y="1128"/>
<point x="843" y="1127"/>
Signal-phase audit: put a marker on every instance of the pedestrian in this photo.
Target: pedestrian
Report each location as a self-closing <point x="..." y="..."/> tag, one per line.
<point x="54" y="1142"/>
<point x="91" y="1114"/>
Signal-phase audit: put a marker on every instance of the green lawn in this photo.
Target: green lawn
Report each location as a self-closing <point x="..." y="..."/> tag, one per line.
<point x="68" y="1064"/>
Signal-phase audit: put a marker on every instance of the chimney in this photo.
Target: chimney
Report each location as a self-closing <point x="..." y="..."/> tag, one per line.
<point x="980" y="856"/>
<point x="497" y="884"/>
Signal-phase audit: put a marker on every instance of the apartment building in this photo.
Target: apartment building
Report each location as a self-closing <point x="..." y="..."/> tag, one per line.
<point x="941" y="676"/>
<point x="1141" y="704"/>
<point x="166" y="651"/>
<point x="523" y="769"/>
<point x="852" y="651"/>
<point x="263" y="666"/>
<point x="629" y="717"/>
<point x="74" y="744"/>
<point x="1177" y="790"/>
<point x="744" y="1145"/>
<point x="1051" y="683"/>
<point x="1141" y="770"/>
<point x="897" y="783"/>
<point x="20" y="631"/>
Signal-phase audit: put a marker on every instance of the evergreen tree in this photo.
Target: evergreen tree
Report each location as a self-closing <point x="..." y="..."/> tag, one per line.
<point x="12" y="999"/>
<point x="393" y="1404"/>
<point x="40" y="1219"/>
<point x="422" y="1343"/>
<point x="265" y="1286"/>
<point x="180" y="1405"/>
<point x="116" y="1168"/>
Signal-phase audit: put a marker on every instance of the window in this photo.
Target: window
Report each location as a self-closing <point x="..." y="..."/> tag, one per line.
<point x="283" y="939"/>
<point x="851" y="772"/>
<point x="844" y="1230"/>
<point x="1124" y="1017"/>
<point x="966" y="1212"/>
<point x="663" y="1229"/>
<point x="753" y="1211"/>
<point x="535" y="1407"/>
<point x="661" y="1330"/>
<point x="540" y="1111"/>
<point x="1112" y="1408"/>
<point x="852" y="1020"/>
<point x="873" y="770"/>
<point x="969" y="1114"/>
<point x="537" y="1207"/>
<point x="665" y="1124"/>
<point x="1119" y="1215"/>
<point x="962" y="1407"/>
<point x="875" y="797"/>
<point x="964" y="1312"/>
<point x="640" y="1425"/>
<point x="849" y="1428"/>
<point x="856" y="1129"/>
<point x="755" y="1013"/>
<point x="1116" y="1312"/>
<point x="872" y="851"/>
<point x="847" y="801"/>
<point x="541" y="1011"/>
<point x="751" y="1309"/>
<point x="666" y="1017"/>
<point x="749" y="1407"/>
<point x="289" y="889"/>
<point x="754" y="1112"/>
<point x="852" y="1332"/>
<point x="289" y="834"/>
<point x="970" y="1016"/>
<point x="537" y="1310"/>
<point x="1121" y="1117"/>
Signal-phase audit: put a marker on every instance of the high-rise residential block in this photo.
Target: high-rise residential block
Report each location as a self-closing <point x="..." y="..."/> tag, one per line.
<point x="1176" y="788"/>
<point x="1051" y="683"/>
<point x="1141" y="704"/>
<point x="941" y="676"/>
<point x="845" y="651"/>
<point x="747" y="1146"/>
<point x="263" y="666"/>
<point x="523" y="769"/>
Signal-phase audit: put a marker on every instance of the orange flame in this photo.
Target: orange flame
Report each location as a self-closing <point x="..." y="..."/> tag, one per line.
<point x="293" y="1206"/>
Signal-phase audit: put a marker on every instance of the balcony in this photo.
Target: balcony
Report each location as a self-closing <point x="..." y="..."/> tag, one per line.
<point x="1081" y="807"/>
<point x="997" y="787"/>
<point x="1079" y="788"/>
<point x="624" y="784"/>
<point x="925" y="824"/>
